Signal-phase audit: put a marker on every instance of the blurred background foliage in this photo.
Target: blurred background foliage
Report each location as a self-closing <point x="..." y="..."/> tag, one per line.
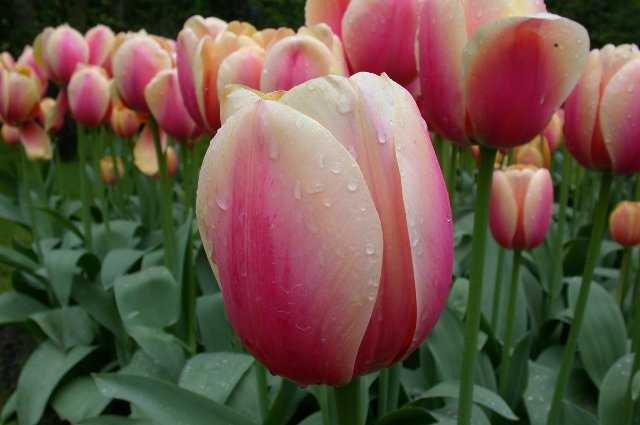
<point x="609" y="21"/>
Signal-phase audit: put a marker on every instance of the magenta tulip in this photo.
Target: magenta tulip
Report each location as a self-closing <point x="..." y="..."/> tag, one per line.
<point x="100" y="40"/>
<point x="89" y="95"/>
<point x="27" y="59"/>
<point x="19" y="95"/>
<point x="59" y="50"/>
<point x="328" y="11"/>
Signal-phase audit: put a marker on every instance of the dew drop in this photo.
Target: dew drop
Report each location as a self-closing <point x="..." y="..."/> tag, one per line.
<point x="382" y="138"/>
<point x="344" y="105"/>
<point x="370" y="250"/>
<point x="222" y="203"/>
<point x="316" y="188"/>
<point x="352" y="186"/>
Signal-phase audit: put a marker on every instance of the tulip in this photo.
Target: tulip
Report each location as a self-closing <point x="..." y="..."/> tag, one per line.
<point x="236" y="97"/>
<point x="362" y="204"/>
<point x="602" y="113"/>
<point x="475" y="153"/>
<point x="6" y="61"/>
<point x="211" y="26"/>
<point x="269" y="36"/>
<point x="27" y="59"/>
<point x="135" y="63"/>
<point x="553" y="133"/>
<point x="59" y="50"/>
<point x="51" y="113"/>
<point x="89" y="95"/>
<point x="167" y="107"/>
<point x="111" y="169"/>
<point x="100" y="40"/>
<point x="144" y="154"/>
<point x="624" y="223"/>
<point x="535" y="153"/>
<point x="10" y="134"/>
<point x="243" y="66"/>
<point x="327" y="11"/>
<point x="198" y="61"/>
<point x="36" y="142"/>
<point x="494" y="72"/>
<point x="313" y="52"/>
<point x="125" y="122"/>
<point x="19" y="95"/>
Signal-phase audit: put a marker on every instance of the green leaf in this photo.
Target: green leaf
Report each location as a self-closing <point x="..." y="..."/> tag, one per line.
<point x="122" y="235"/>
<point x="141" y="364"/>
<point x="406" y="416"/>
<point x="572" y="414"/>
<point x="215" y="375"/>
<point x="215" y="330"/>
<point x="448" y="415"/>
<point x="481" y="396"/>
<point x="149" y="298"/>
<point x="244" y="397"/>
<point x="603" y="337"/>
<point x="518" y="375"/>
<point x="206" y="279"/>
<point x="635" y="387"/>
<point x="9" y="408"/>
<point x="15" y="259"/>
<point x="115" y="420"/>
<point x="613" y="391"/>
<point x="40" y="375"/>
<point x="99" y="303"/>
<point x="165" y="349"/>
<point x="11" y="212"/>
<point x="66" y="327"/>
<point x="167" y="404"/>
<point x="79" y="400"/>
<point x="117" y="263"/>
<point x="63" y="221"/>
<point x="537" y="396"/>
<point x="16" y="307"/>
<point x="315" y="419"/>
<point x="62" y="265"/>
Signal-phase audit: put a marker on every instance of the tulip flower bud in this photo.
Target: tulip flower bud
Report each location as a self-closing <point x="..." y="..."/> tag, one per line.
<point x="135" y="63"/>
<point x="125" y="122"/>
<point x="494" y="72"/>
<point x="624" y="223"/>
<point x="111" y="169"/>
<point x="349" y="250"/>
<point x="602" y="113"/>
<point x="313" y="52"/>
<point x="51" y="113"/>
<point x="521" y="206"/>
<point x="6" y="61"/>
<point x="19" y="95"/>
<point x="269" y="36"/>
<point x="243" y="66"/>
<point x="144" y="154"/>
<point x="89" y="95"/>
<point x="553" y="133"/>
<point x="59" y="50"/>
<point x="100" y="40"/>
<point x="475" y="153"/>
<point x="10" y="134"/>
<point x="211" y="26"/>
<point x="27" y="59"/>
<point x="535" y="153"/>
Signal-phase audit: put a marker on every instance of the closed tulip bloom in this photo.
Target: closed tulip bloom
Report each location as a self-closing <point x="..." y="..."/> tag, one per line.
<point x="144" y="154"/>
<point x="89" y="95"/>
<point x="10" y="134"/>
<point x="59" y="50"/>
<point x="125" y="122"/>
<point x="100" y="40"/>
<point x="535" y="153"/>
<point x="51" y="113"/>
<point x="36" y="142"/>
<point x="553" y="133"/>
<point x="27" y="59"/>
<point x="624" y="223"/>
<point x="111" y="169"/>
<point x="313" y="52"/>
<point x="328" y="11"/>
<point x="602" y="114"/>
<point x="243" y="66"/>
<point x="167" y="107"/>
<point x="19" y="95"/>
<point x="135" y="63"/>
<point x="494" y="72"/>
<point x="211" y="26"/>
<point x="237" y="97"/>
<point x="269" y="36"/>
<point x="521" y="206"/>
<point x="347" y="253"/>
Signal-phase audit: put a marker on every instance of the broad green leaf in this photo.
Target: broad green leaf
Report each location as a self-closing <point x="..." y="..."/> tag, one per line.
<point x="63" y="221"/>
<point x="11" y="212"/>
<point x="315" y="419"/>
<point x="481" y="396"/>
<point x="213" y="325"/>
<point x="406" y="416"/>
<point x="15" y="259"/>
<point x="16" y="307"/>
<point x="40" y="376"/>
<point x="215" y="375"/>
<point x="117" y="263"/>
<point x="62" y="266"/>
<point x="66" y="327"/>
<point x="572" y="414"/>
<point x="184" y="234"/>
<point x="603" y="336"/>
<point x="448" y="415"/>
<point x="168" y="404"/>
<point x="635" y="387"/>
<point x="122" y="235"/>
<point x="244" y="397"/>
<point x="115" y="420"/>
<point x="518" y="375"/>
<point x="206" y="279"/>
<point x="79" y="400"/>
<point x="165" y="349"/>
<point x="99" y="303"/>
<point x="153" y="259"/>
<point x="614" y="390"/>
<point x="9" y="408"/>
<point x="149" y="298"/>
<point x="141" y="364"/>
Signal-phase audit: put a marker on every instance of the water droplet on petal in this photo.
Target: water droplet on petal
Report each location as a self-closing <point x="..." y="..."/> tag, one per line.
<point x="297" y="190"/>
<point x="352" y="186"/>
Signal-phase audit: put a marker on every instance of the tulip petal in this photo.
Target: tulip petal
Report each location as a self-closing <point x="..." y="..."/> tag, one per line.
<point x="89" y="94"/>
<point x="503" y="210"/>
<point x="100" y="40"/>
<point x="327" y="11"/>
<point x="36" y="142"/>
<point x="310" y="278"/>
<point x="144" y="151"/>
<point x="480" y="12"/>
<point x="537" y="208"/>
<point x="10" y="134"/>
<point x="19" y="95"/>
<point x="518" y="71"/>
<point x="439" y="44"/>
<point x="620" y="118"/>
<point x="243" y="66"/>
<point x="379" y="36"/>
<point x="65" y="48"/>
<point x="236" y="97"/>
<point x="185" y="52"/>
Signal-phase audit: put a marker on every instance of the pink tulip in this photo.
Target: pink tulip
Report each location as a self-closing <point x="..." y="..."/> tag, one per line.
<point x="236" y="97"/>
<point x="10" y="134"/>
<point x="269" y="36"/>
<point x="379" y="36"/>
<point x="521" y="206"/>
<point x="6" y="61"/>
<point x="59" y="50"/>
<point x="100" y="40"/>
<point x="243" y="66"/>
<point x="602" y="114"/>
<point x="167" y="107"/>
<point x="211" y="26"/>
<point x="536" y="153"/>
<point x="27" y="59"/>
<point x="19" y="95"/>
<point x="553" y="132"/>
<point x="135" y="63"/>
<point x="51" y="113"/>
<point x="144" y="154"/>
<point x="624" y="223"/>
<point x="494" y="72"/>
<point x="111" y="169"/>
<point x="313" y="52"/>
<point x="327" y="11"/>
<point x="89" y="94"/>
<point x="125" y="122"/>
<point x="36" y="142"/>
<point x="347" y="249"/>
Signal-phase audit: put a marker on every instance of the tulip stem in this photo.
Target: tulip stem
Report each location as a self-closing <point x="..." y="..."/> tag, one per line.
<point x="452" y="174"/>
<point x="505" y="363"/>
<point x="630" y="405"/>
<point x="556" y="267"/>
<point x="349" y="403"/>
<point x="497" y="291"/>
<point x="623" y="283"/>
<point x="326" y="400"/>
<point x="282" y="405"/>
<point x="593" y="253"/>
<point x="388" y="389"/>
<point x="166" y="210"/>
<point x="478" y="249"/>
<point x="84" y="188"/>
<point x="263" y="390"/>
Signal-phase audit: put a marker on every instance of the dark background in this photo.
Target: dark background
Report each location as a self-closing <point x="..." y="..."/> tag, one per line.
<point x="608" y="21"/>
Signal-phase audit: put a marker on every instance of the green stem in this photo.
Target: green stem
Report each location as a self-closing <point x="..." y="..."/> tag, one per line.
<point x="166" y="210"/>
<point x="505" y="363"/>
<point x="35" y="228"/>
<point x="478" y="249"/>
<point x="452" y="174"/>
<point x="556" y="267"/>
<point x="349" y="403"/>
<point x="599" y="223"/>
<point x="282" y="405"/>
<point x="623" y="283"/>
<point x="327" y="403"/>
<point x="497" y="291"/>
<point x="84" y="188"/>
<point x="388" y="389"/>
<point x="263" y="390"/>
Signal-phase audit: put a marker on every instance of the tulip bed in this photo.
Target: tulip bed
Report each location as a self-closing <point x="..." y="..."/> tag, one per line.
<point x="274" y="227"/>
